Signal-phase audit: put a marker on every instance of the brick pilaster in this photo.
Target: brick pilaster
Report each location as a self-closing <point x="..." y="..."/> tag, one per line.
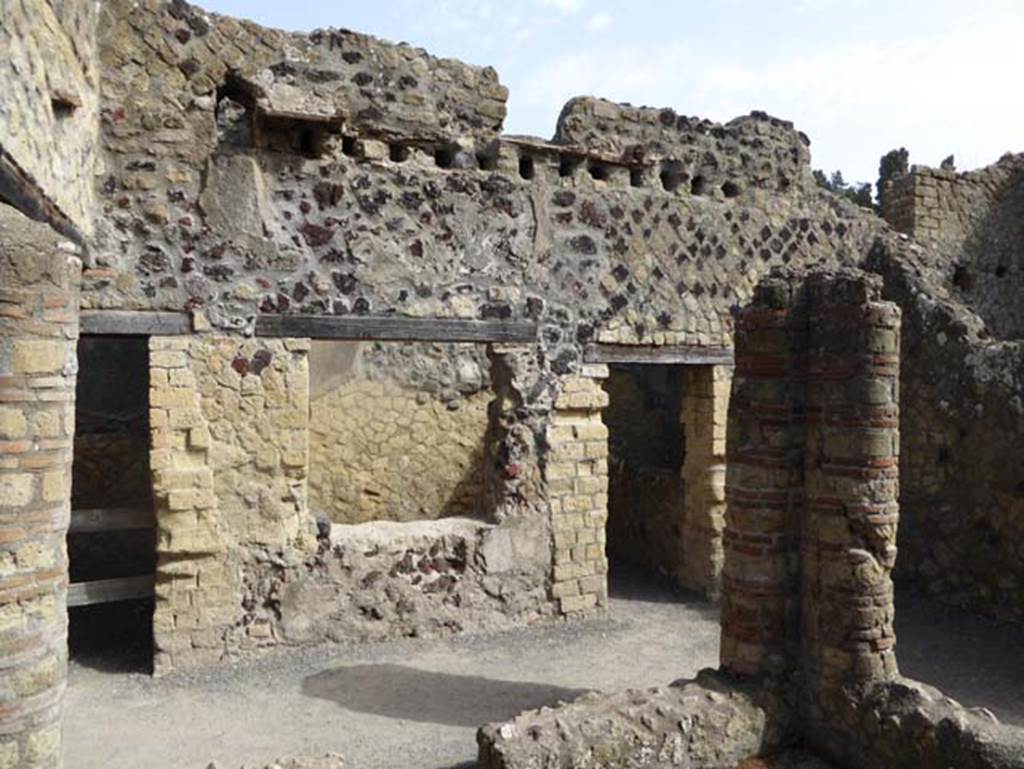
<point x="39" y="282"/>
<point x="576" y="474"/>
<point x="704" y="411"/>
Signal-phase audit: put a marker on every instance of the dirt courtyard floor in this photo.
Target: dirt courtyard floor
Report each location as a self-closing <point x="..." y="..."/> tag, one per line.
<point x="418" y="703"/>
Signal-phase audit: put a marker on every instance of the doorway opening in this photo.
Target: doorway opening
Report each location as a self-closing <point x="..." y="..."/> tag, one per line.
<point x="112" y="535"/>
<point x="646" y="492"/>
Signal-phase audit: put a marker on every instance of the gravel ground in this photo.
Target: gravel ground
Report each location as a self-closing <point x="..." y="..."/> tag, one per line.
<point x="417" y="703"/>
<point x="413" y="703"/>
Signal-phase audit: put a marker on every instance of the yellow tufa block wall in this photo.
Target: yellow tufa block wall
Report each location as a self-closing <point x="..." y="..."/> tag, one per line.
<point x="704" y="414"/>
<point x="380" y="451"/>
<point x="577" y="482"/>
<point x="229" y="420"/>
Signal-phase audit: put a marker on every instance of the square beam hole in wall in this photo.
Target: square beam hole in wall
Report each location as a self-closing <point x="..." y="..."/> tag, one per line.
<point x="112" y="534"/>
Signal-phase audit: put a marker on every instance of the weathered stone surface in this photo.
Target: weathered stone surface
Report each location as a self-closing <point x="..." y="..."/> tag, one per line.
<point x="701" y="723"/>
<point x="51" y="99"/>
<point x="905" y="724"/>
<point x="329" y="761"/>
<point x="382" y="580"/>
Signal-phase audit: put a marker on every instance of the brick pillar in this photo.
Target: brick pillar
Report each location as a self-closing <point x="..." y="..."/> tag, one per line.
<point x="764" y="492"/>
<point x="576" y="475"/>
<point x="38" y="329"/>
<point x="230" y="452"/>
<point x="191" y="550"/>
<point x="849" y="533"/>
<point x="704" y="412"/>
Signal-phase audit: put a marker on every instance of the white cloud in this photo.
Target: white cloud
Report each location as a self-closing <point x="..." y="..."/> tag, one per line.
<point x="599" y="21"/>
<point x="567" y="7"/>
<point x="948" y="91"/>
<point x="936" y="94"/>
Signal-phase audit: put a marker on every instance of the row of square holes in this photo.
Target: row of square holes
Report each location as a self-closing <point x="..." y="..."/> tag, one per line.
<point x="672" y="176"/>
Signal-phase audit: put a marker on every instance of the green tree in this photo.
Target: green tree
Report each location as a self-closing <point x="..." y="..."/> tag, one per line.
<point x="856" y="192"/>
<point x="892" y="164"/>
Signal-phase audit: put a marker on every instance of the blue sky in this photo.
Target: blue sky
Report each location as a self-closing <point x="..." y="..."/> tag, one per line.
<point x="858" y="76"/>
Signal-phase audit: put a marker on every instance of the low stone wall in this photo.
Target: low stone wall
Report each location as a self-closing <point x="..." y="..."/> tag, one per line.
<point x="904" y="724"/>
<point x="384" y="580"/>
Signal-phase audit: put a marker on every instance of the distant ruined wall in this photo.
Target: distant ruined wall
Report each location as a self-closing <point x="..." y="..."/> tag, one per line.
<point x="50" y="85"/>
<point x="962" y="406"/>
<point x="976" y="219"/>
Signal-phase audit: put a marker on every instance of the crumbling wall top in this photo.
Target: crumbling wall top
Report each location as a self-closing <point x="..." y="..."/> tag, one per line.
<point x="763" y="149"/>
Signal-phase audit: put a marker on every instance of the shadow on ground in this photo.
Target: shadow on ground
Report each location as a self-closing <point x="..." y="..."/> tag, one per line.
<point x="975" y="660"/>
<point x="412" y="694"/>
<point x="629" y="582"/>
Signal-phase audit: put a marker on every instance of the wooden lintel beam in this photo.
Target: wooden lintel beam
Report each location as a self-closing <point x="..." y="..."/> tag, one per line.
<point x="134" y="323"/>
<point x="110" y="590"/>
<point x="395" y="329"/>
<point x="110" y="519"/>
<point x="692" y="355"/>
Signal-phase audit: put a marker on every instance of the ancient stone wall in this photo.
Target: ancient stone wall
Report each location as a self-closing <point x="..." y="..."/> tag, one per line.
<point x="961" y="498"/>
<point x="975" y="220"/>
<point x="51" y="100"/>
<point x="229" y="458"/>
<point x="397" y="430"/>
<point x="599" y="245"/>
<point x="39" y="278"/>
<point x="708" y="723"/>
<point x="807" y="643"/>
<point x="384" y="580"/>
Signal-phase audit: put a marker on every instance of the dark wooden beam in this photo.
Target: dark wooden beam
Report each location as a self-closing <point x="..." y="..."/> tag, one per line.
<point x="134" y="323"/>
<point x="676" y="354"/>
<point x="395" y="329"/>
<point x="110" y="590"/>
<point x="111" y="519"/>
<point x="20" y="190"/>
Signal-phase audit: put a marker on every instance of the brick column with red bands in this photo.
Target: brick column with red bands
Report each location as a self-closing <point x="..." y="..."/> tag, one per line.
<point x="764" y="494"/>
<point x="848" y="543"/>
<point x="39" y="279"/>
